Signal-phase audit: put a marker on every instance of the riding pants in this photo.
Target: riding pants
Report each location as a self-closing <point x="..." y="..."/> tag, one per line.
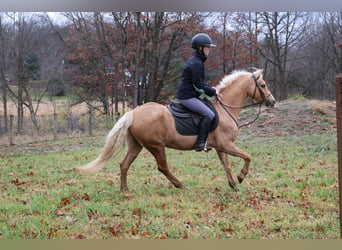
<point x="195" y="105"/>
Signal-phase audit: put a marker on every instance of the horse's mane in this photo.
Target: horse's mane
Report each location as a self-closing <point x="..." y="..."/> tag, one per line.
<point x="229" y="79"/>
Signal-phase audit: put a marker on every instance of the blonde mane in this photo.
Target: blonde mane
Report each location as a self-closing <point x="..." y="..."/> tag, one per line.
<point x="229" y="79"/>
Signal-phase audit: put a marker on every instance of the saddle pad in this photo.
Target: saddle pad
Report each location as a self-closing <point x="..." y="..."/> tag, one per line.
<point x="185" y="125"/>
<point x="187" y="122"/>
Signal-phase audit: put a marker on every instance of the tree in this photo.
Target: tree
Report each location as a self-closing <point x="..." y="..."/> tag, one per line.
<point x="123" y="37"/>
<point x="164" y="34"/>
<point x="321" y="57"/>
<point x="27" y="65"/>
<point x="28" y="35"/>
<point x="3" y="81"/>
<point x="139" y="48"/>
<point x="282" y="32"/>
<point x="237" y="43"/>
<point x="136" y="96"/>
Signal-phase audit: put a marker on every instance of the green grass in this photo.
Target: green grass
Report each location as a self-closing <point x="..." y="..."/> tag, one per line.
<point x="290" y="192"/>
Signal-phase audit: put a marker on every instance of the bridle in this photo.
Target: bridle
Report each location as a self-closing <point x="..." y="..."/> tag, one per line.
<point x="226" y="107"/>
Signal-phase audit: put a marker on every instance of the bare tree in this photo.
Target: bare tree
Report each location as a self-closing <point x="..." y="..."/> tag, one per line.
<point x="136" y="95"/>
<point x="3" y="82"/>
<point x="122" y="57"/>
<point x="22" y="42"/>
<point x="27" y="50"/>
<point x="321" y="57"/>
<point x="332" y="23"/>
<point x="164" y="34"/>
<point x="282" y="31"/>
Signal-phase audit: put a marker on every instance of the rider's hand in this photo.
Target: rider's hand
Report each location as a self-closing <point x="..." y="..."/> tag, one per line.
<point x="217" y="92"/>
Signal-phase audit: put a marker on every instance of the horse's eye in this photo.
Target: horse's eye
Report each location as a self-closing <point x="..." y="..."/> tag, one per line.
<point x="263" y="85"/>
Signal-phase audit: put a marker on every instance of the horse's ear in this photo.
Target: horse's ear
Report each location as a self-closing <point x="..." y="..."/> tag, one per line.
<point x="258" y="73"/>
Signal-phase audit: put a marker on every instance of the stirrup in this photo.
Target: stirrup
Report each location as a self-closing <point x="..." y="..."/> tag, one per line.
<point x="205" y="147"/>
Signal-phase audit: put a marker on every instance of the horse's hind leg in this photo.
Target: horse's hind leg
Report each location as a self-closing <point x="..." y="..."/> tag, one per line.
<point x="160" y="156"/>
<point x="134" y="148"/>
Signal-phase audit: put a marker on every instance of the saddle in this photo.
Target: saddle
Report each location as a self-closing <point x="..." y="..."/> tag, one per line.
<point x="187" y="122"/>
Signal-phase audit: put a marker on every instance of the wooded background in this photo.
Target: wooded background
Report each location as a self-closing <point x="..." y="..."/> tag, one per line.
<point x="131" y="58"/>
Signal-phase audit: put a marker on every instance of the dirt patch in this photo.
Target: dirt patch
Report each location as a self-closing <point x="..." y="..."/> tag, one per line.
<point x="291" y="117"/>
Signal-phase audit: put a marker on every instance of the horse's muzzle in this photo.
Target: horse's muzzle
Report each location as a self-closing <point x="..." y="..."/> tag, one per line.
<point x="270" y="102"/>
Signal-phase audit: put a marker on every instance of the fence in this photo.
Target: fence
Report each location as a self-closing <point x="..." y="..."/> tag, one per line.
<point x="54" y="126"/>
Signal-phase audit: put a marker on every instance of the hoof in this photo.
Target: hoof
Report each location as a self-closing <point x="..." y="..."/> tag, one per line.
<point x="234" y="187"/>
<point x="241" y="177"/>
<point x="182" y="187"/>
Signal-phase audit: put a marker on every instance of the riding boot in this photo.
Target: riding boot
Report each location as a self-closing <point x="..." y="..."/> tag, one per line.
<point x="201" y="143"/>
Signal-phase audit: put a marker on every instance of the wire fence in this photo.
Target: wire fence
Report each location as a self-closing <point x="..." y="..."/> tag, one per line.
<point x="53" y="126"/>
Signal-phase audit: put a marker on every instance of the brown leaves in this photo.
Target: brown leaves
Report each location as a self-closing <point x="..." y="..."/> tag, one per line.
<point x="71" y="182"/>
<point x="17" y="182"/>
<point x="74" y="196"/>
<point x="85" y="197"/>
<point x="137" y="211"/>
<point x="228" y="230"/>
<point x="80" y="237"/>
<point x="136" y="229"/>
<point x="65" y="201"/>
<point x="116" y="229"/>
<point x="93" y="214"/>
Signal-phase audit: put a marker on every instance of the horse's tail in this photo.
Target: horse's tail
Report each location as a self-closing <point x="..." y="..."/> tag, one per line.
<point x="115" y="142"/>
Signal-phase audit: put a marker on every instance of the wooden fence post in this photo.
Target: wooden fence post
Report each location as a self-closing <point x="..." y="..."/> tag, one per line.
<point x="339" y="139"/>
<point x="90" y="123"/>
<point x="55" y="126"/>
<point x="11" y="130"/>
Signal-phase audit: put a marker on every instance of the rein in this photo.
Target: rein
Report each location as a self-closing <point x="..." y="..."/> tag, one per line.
<point x="226" y="107"/>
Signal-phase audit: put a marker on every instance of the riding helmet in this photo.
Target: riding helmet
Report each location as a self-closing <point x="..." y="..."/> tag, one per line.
<point x="201" y="39"/>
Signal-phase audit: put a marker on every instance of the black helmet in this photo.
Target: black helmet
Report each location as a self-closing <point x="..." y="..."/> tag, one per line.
<point x="201" y="39"/>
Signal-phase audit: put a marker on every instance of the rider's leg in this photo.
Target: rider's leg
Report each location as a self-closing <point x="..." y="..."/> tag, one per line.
<point x="195" y="105"/>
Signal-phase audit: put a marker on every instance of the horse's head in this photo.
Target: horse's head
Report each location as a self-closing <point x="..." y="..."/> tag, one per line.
<point x="259" y="90"/>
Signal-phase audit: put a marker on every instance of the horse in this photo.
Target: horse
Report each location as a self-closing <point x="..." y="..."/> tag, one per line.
<point x="152" y="126"/>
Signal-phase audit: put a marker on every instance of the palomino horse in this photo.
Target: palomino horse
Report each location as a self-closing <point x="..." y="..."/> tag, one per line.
<point x="152" y="126"/>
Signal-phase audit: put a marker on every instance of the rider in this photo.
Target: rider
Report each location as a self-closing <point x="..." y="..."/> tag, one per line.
<point x="192" y="85"/>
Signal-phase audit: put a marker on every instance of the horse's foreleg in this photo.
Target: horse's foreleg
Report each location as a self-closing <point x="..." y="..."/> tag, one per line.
<point x="235" y="151"/>
<point x="133" y="150"/>
<point x="160" y="156"/>
<point x="225" y="162"/>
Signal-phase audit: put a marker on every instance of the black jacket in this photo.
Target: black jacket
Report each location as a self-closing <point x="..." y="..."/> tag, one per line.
<point x="192" y="83"/>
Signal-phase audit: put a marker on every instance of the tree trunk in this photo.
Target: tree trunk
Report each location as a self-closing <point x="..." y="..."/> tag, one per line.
<point x="3" y="81"/>
<point x="137" y="63"/>
<point x="31" y="109"/>
<point x="153" y="80"/>
<point x="115" y="90"/>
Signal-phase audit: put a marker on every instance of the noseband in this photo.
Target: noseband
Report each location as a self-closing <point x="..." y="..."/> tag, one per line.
<point x="226" y="107"/>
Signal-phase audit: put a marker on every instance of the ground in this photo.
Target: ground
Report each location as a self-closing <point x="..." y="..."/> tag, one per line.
<point x="291" y="117"/>
<point x="291" y="191"/>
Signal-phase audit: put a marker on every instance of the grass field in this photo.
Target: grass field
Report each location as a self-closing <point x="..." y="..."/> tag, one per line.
<point x="291" y="192"/>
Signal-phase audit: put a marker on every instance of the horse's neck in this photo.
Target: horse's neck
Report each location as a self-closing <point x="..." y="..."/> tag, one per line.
<point x="234" y="96"/>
